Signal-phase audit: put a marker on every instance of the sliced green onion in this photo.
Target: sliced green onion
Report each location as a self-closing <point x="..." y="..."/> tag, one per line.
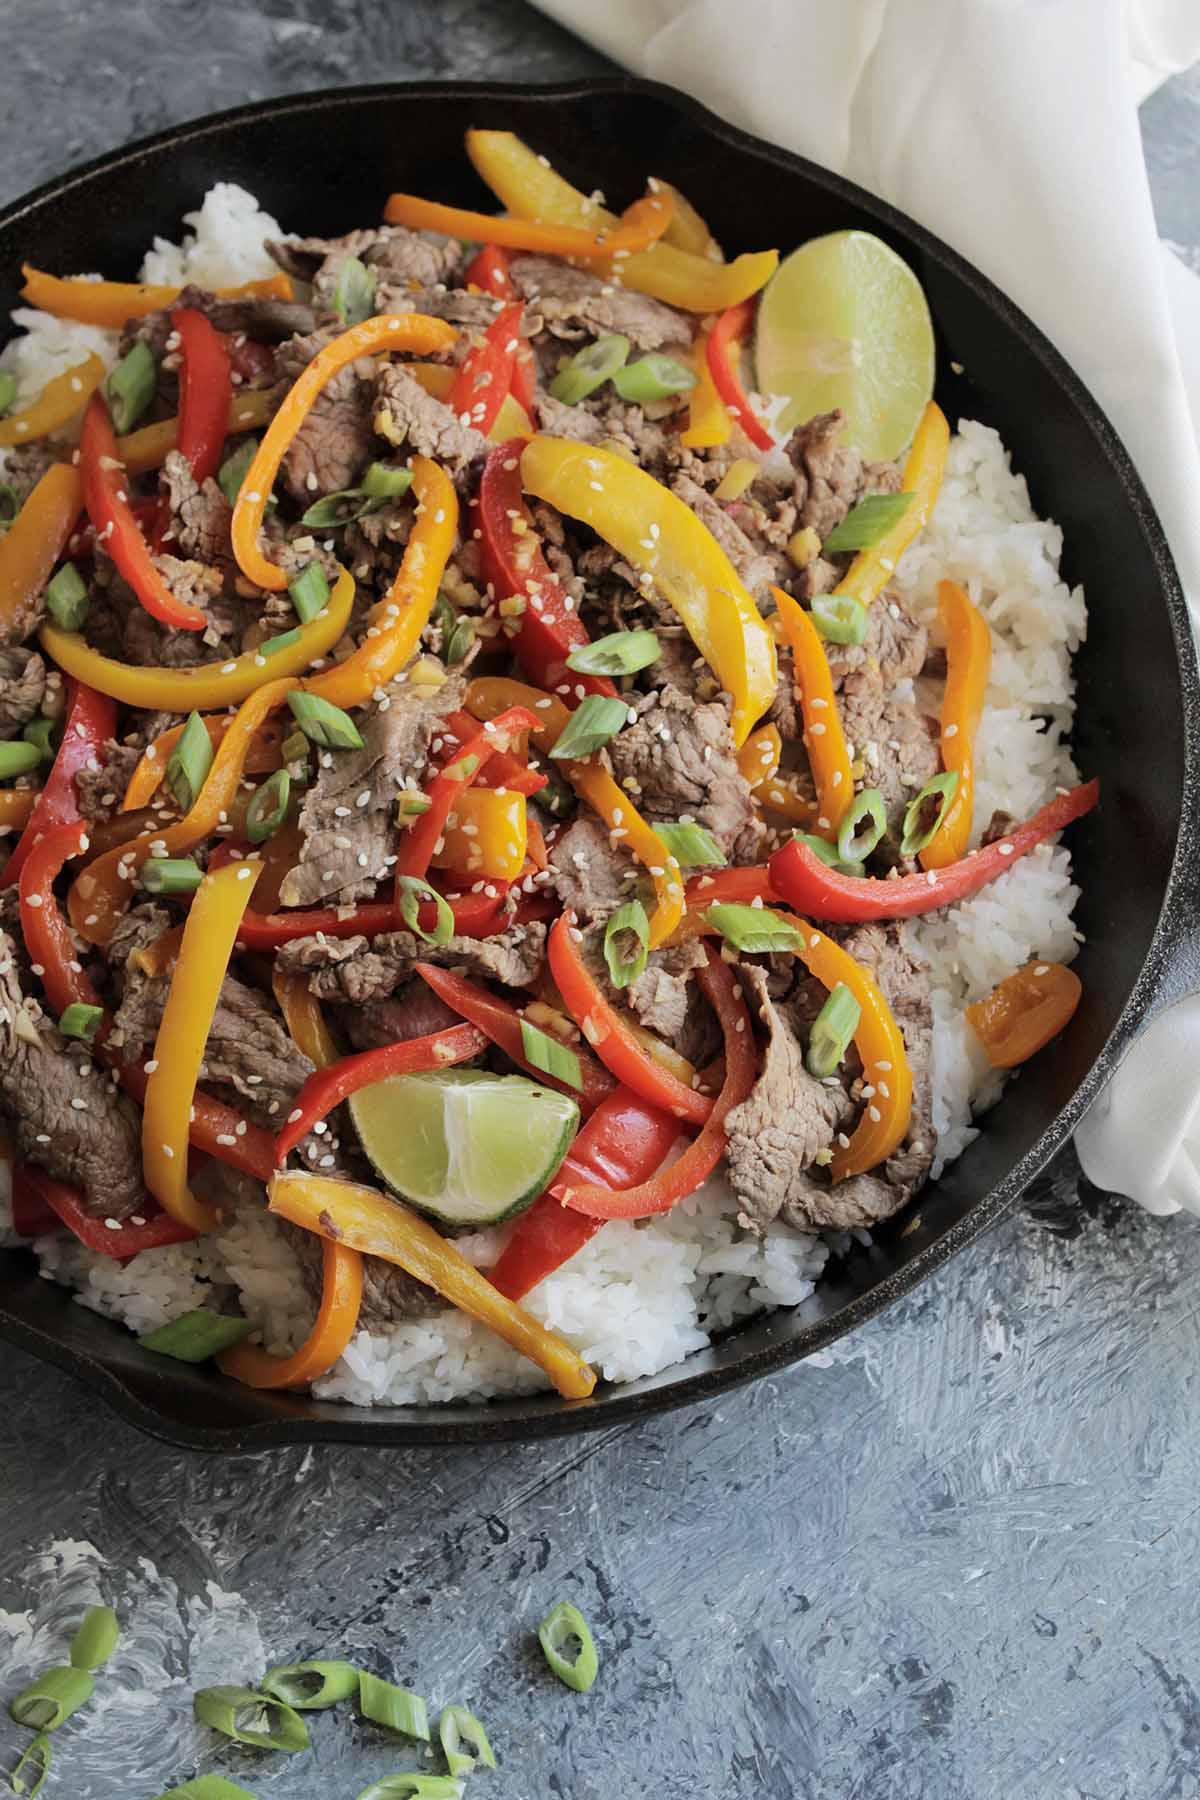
<point x="208" y="1787"/>
<point x="53" y="1697"/>
<point x="233" y="470"/>
<point x="354" y="295"/>
<point x="269" y="807"/>
<point x="18" y="758"/>
<point x="627" y="943"/>
<point x="558" y="796"/>
<point x="414" y="1787"/>
<point x="8" y="391"/>
<point x="311" y="1686"/>
<point x="691" y="845"/>
<point x="589" y="369"/>
<point x="323" y="723"/>
<point x="411" y="805"/>
<point x="547" y="1054"/>
<point x="562" y="1623"/>
<point x="922" y="818"/>
<point x="130" y="387"/>
<point x="620" y="653"/>
<point x="463" y="769"/>
<point x="333" y="511"/>
<point x="67" y="598"/>
<point x="866" y="523"/>
<point x="171" y="875"/>
<point x="294" y="749"/>
<point x="413" y="893"/>
<point x="195" y="1336"/>
<point x="863" y="824"/>
<point x="249" y="1717"/>
<point x="826" y="852"/>
<point x="309" y="591"/>
<point x="383" y="482"/>
<point x="455" y="1724"/>
<point x="832" y="1030"/>
<point x="752" y="929"/>
<point x="189" y="763"/>
<point x="37" y="1754"/>
<point x="81" y="1021"/>
<point x="840" y="618"/>
<point x="281" y="641"/>
<point x="595" y="720"/>
<point x="43" y="733"/>
<point x="654" y="377"/>
<point x="95" y="1639"/>
<point x="443" y="617"/>
<point x="460" y="640"/>
<point x="396" y="1707"/>
<point x="10" y="505"/>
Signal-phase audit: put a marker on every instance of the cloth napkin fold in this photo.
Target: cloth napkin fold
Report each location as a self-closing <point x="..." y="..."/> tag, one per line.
<point x="1010" y="128"/>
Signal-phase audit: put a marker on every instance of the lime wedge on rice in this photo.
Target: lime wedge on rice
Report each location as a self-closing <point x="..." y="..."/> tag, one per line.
<point x="844" y="322"/>
<point x="467" y="1147"/>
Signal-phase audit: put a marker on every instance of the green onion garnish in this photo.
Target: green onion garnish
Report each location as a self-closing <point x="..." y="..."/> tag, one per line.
<point x="8" y="391"/>
<point x="654" y="377"/>
<point x="562" y="1623"/>
<point x="866" y="523"/>
<point x="463" y="769"/>
<point x="281" y="641"/>
<point x="81" y="1021"/>
<point x="383" y="482"/>
<point x="752" y="929"/>
<point x="309" y="591"/>
<point x="397" y="1708"/>
<point x="189" y="763"/>
<point x="333" y="511"/>
<point x="413" y="893"/>
<point x="311" y="1686"/>
<point x="130" y="387"/>
<point x="595" y="720"/>
<point x="37" y="1754"/>
<point x="620" y="653"/>
<point x="589" y="369"/>
<point x="18" y="758"/>
<point x="414" y="1787"/>
<point x="269" y="807"/>
<point x="10" y="505"/>
<point x="455" y="1724"/>
<point x="249" y="1717"/>
<point x="411" y="805"/>
<point x="95" y="1639"/>
<point x="171" y="875"/>
<point x="691" y="846"/>
<point x="832" y="1030"/>
<point x="547" y="1054"/>
<point x="195" y="1336"/>
<point x="44" y="733"/>
<point x="826" y="852"/>
<point x="323" y="723"/>
<point x="67" y="598"/>
<point x="208" y="1787"/>
<point x="557" y="797"/>
<point x="627" y="943"/>
<point x="233" y="470"/>
<point x="460" y="640"/>
<point x="923" y="816"/>
<point x="354" y="295"/>
<point x="863" y="824"/>
<point x="294" y="749"/>
<point x="53" y="1697"/>
<point x="840" y="618"/>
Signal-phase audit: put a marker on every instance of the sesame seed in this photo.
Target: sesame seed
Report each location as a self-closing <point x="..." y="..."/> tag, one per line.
<point x="168" y="1152"/>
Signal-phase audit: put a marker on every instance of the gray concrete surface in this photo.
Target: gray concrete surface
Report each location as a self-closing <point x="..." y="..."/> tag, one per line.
<point x="957" y="1559"/>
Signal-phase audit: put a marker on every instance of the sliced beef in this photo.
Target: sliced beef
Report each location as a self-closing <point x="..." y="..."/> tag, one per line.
<point x="256" y="316"/>
<point x="99" y="790"/>
<point x="589" y="871"/>
<point x="758" y="568"/>
<point x="556" y="419"/>
<point x="146" y="642"/>
<point x="329" y="450"/>
<point x="136" y="929"/>
<point x="363" y="970"/>
<point x="678" y="761"/>
<point x="898" y="743"/>
<point x="25" y="465"/>
<point x="831" y="477"/>
<point x="575" y="304"/>
<point x="998" y="826"/>
<point x="22" y="688"/>
<point x="663" y="996"/>
<point x="201" y="516"/>
<point x="405" y="414"/>
<point x="474" y="312"/>
<point x="413" y="1011"/>
<point x="905" y="980"/>
<point x="896" y="645"/>
<point x="401" y="258"/>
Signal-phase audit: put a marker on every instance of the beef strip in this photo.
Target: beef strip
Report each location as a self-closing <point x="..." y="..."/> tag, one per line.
<point x="333" y="443"/>
<point x="759" y="569"/>
<point x="574" y="304"/>
<point x="200" y="516"/>
<point x="99" y="790"/>
<point x="22" y="688"/>
<point x="556" y="419"/>
<point x="663" y="997"/>
<point x="678" y="761"/>
<point x="897" y="742"/>
<point x="145" y="642"/>
<point x="474" y="312"/>
<point x="406" y="414"/>
<point x="25" y="465"/>
<point x="413" y="1011"/>
<point x="401" y="258"/>
<point x="896" y="645"/>
<point x="832" y="477"/>
<point x="589" y="872"/>
<point x="998" y="826"/>
<point x="363" y="970"/>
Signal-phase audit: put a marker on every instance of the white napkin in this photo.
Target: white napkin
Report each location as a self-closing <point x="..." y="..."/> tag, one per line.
<point x="1010" y="128"/>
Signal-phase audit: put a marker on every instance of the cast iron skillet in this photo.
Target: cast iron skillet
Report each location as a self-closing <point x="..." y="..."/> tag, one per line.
<point x="322" y="164"/>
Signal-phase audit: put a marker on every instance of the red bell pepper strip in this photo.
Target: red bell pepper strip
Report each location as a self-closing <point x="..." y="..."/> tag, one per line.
<point x="733" y="325"/>
<point x="623" y="1143"/>
<point x="82" y="542"/>
<point x="503" y="770"/>
<point x="731" y="887"/>
<point x="106" y="498"/>
<point x="47" y="935"/>
<point x="216" y="1128"/>
<point x="485" y="378"/>
<point x="513" y="564"/>
<point x="475" y="915"/>
<point x="205" y="392"/>
<point x="91" y="721"/>
<point x="488" y="271"/>
<point x="31" y="1217"/>
<point x="689" y="1171"/>
<point x="129" y="1239"/>
<point x="327" y="1088"/>
<point x="254" y="362"/>
<point x="421" y="839"/>
<point x="502" y="1023"/>
<point x="809" y="885"/>
<point x="610" y="1037"/>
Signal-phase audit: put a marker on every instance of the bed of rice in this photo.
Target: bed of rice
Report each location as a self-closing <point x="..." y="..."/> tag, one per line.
<point x="641" y="1297"/>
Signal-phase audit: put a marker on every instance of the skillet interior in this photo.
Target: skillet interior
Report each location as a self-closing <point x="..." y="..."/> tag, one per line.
<point x="321" y="163"/>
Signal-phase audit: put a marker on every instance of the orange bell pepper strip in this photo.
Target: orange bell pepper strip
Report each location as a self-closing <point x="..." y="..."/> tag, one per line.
<point x="303" y="1017"/>
<point x="1024" y="1011"/>
<point x="208" y="940"/>
<point x="368" y="1221"/>
<point x="33" y="544"/>
<point x="630" y="510"/>
<point x="640" y="227"/>
<point x="824" y="738"/>
<point x="110" y="304"/>
<point x="758" y="758"/>
<point x="709" y="422"/>
<point x="484" y="837"/>
<point x="414" y="333"/>
<point x="151" y="769"/>
<point x="16" y="804"/>
<point x="149" y="446"/>
<point x="968" y="660"/>
<point x="686" y="229"/>
<point x="335" y="1325"/>
<point x="57" y="404"/>
<point x="924" y="467"/>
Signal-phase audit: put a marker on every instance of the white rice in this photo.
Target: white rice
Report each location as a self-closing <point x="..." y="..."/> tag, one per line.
<point x="640" y="1297"/>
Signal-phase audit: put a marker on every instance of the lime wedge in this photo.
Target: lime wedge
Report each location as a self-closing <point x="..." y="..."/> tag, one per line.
<point x="844" y="322"/>
<point x="468" y="1147"/>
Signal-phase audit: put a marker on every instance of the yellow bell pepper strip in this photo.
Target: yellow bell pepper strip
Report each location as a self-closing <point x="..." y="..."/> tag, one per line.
<point x="968" y="660"/>
<point x="411" y="332"/>
<point x="110" y="304"/>
<point x="368" y="1221"/>
<point x="758" y="758"/>
<point x="638" y="228"/>
<point x="629" y="509"/>
<point x="33" y="544"/>
<point x="149" y="447"/>
<point x="396" y="622"/>
<point x="57" y="404"/>
<point x="16" y="804"/>
<point x="1024" y="1011"/>
<point x="924" y="467"/>
<point x="484" y="836"/>
<point x="211" y="684"/>
<point x="335" y="1325"/>
<point x="151" y="769"/>
<point x="780" y="795"/>
<point x="687" y="230"/>
<point x="511" y="421"/>
<point x="208" y="940"/>
<point x="303" y="1017"/>
<point x="708" y="421"/>
<point x="824" y="738"/>
<point x="529" y="188"/>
